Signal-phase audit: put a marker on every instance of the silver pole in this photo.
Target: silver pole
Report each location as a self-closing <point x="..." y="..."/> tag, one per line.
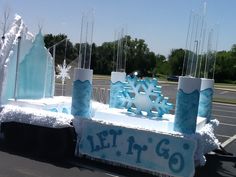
<point x="54" y="56"/>
<point x="86" y="43"/>
<point x="121" y="49"/>
<point x="126" y="38"/>
<point x="216" y="46"/>
<point x="201" y="40"/>
<point x="53" y="64"/>
<point x="202" y="47"/>
<point x="118" y="51"/>
<point x="54" y="59"/>
<point x="45" y="76"/>
<point x="190" y="46"/>
<point x="81" y="45"/>
<point x="62" y="88"/>
<point x="91" y="41"/>
<point x="199" y="46"/>
<point x="65" y="50"/>
<point x="195" y="73"/>
<point x="186" y="44"/>
<point x="114" y="51"/>
<point x="207" y="55"/>
<point x="17" y="66"/>
<point x="193" y="64"/>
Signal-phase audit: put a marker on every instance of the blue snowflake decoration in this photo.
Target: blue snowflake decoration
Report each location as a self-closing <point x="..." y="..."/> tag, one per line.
<point x="143" y="97"/>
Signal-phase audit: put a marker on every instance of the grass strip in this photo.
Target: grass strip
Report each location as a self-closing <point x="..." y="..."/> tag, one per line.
<point x="224" y="100"/>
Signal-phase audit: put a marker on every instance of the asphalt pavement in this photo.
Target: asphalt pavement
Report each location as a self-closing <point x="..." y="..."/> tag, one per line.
<point x="20" y="163"/>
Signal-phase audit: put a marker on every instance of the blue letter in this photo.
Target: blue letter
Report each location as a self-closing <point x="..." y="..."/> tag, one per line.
<point x="131" y="142"/>
<point x="101" y="135"/>
<point x="114" y="133"/>
<point x="90" y="139"/>
<point x="165" y="152"/>
<point x="139" y="150"/>
<point x="178" y="162"/>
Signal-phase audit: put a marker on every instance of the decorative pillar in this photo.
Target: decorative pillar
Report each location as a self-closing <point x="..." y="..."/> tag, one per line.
<point x="81" y="94"/>
<point x="205" y="100"/>
<point x="187" y="101"/>
<point x="117" y="80"/>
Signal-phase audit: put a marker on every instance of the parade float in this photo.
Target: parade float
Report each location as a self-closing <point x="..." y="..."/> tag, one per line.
<point x="135" y="130"/>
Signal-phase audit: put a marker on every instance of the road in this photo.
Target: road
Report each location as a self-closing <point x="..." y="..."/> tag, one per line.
<point x="226" y="114"/>
<point x="27" y="165"/>
<point x="19" y="165"/>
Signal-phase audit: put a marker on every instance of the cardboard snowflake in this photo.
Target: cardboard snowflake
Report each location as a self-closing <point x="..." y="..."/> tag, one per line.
<point x="143" y="97"/>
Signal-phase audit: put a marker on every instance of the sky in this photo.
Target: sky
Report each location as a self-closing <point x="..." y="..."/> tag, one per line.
<point x="163" y="24"/>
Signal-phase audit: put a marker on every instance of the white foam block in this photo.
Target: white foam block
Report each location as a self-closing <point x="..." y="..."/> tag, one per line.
<point x="207" y="83"/>
<point x="189" y="84"/>
<point x="118" y="76"/>
<point x="83" y="74"/>
<point x="120" y="117"/>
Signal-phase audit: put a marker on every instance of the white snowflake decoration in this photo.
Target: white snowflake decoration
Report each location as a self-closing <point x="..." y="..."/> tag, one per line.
<point x="143" y="97"/>
<point x="63" y="72"/>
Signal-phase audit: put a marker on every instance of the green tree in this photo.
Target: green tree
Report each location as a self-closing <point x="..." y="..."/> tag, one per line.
<point x="70" y="53"/>
<point x="175" y="60"/>
<point x="225" y="68"/>
<point x="162" y="66"/>
<point x="233" y="50"/>
<point x="139" y="57"/>
<point x="103" y="58"/>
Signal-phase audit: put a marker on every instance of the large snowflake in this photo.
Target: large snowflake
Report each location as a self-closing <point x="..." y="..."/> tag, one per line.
<point x="143" y="97"/>
<point x="63" y="72"/>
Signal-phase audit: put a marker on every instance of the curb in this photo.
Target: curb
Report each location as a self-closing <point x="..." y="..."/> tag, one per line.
<point x="225" y="89"/>
<point x="224" y="104"/>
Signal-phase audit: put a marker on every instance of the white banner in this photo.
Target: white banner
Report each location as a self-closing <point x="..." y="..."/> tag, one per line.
<point x="151" y="151"/>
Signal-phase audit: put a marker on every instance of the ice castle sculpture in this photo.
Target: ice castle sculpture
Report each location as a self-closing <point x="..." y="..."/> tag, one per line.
<point x="34" y="80"/>
<point x="36" y="74"/>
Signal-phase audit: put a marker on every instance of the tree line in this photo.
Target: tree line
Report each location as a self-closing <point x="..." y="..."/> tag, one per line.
<point x="140" y="58"/>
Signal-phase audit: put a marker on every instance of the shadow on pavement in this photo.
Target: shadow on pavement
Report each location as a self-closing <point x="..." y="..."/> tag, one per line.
<point x="217" y="167"/>
<point x="220" y="165"/>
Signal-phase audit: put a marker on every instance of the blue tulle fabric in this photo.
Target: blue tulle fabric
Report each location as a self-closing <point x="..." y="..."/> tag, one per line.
<point x="205" y="103"/>
<point x="81" y="99"/>
<point x="115" y="94"/>
<point x="186" y="111"/>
